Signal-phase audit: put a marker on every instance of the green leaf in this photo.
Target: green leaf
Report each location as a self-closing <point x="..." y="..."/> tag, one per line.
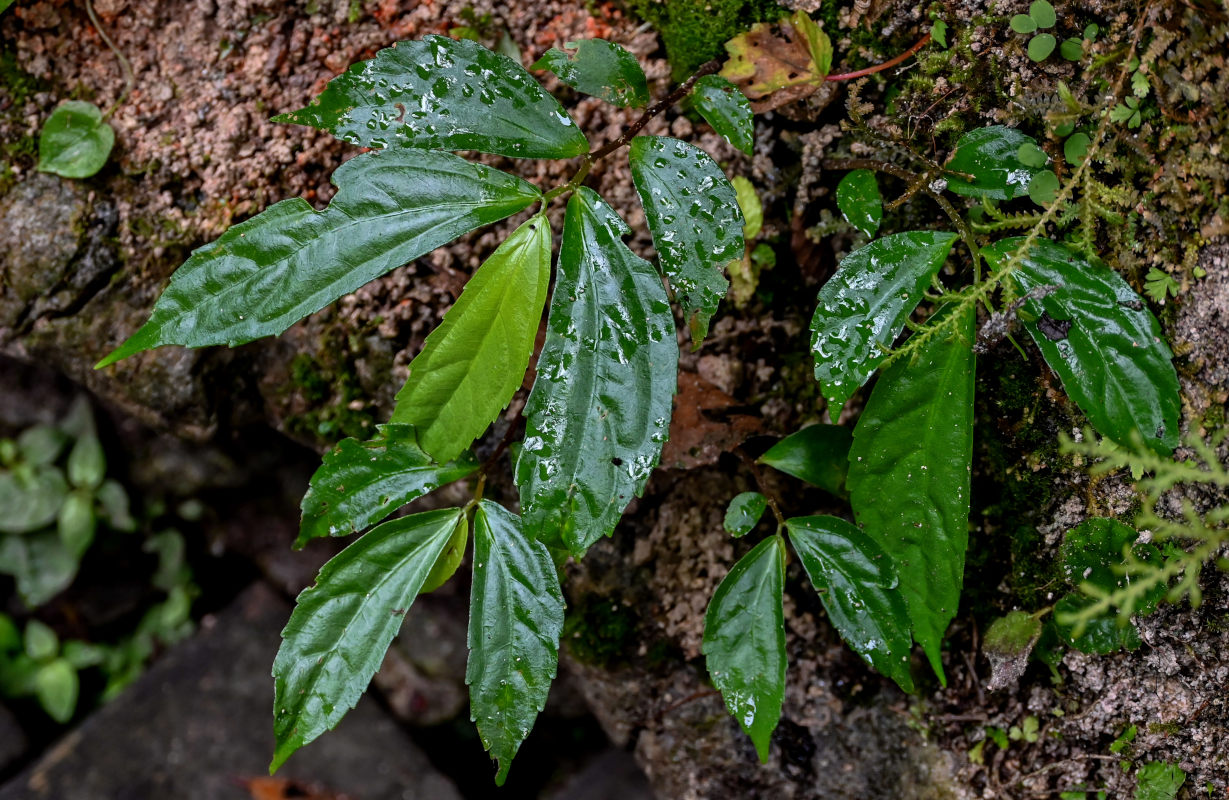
<point x="41" y="564"/>
<point x="1101" y="635"/>
<point x="744" y="513"/>
<point x="1043" y="188"/>
<point x="1091" y="551"/>
<point x="865" y="305"/>
<point x="443" y="94"/>
<point x="31" y="500"/>
<point x="749" y="205"/>
<point x="909" y="477"/>
<point x="1158" y="284"/>
<point x="817" y="454"/>
<point x="56" y="687"/>
<point x="744" y="640"/>
<point x="1023" y="23"/>
<point x="82" y="655"/>
<point x="1124" y="739"/>
<point x="269" y="272"/>
<point x="860" y="591"/>
<point x="342" y="626"/>
<point x="1030" y="155"/>
<point x="76" y="521"/>
<point x="1041" y="45"/>
<point x="592" y="434"/>
<point x="75" y="141"/>
<point x="360" y="483"/>
<point x="1072" y="49"/>
<point x="1139" y="84"/>
<point x="599" y="68"/>
<point x="10" y="637"/>
<point x="693" y="214"/>
<point x="446" y="565"/>
<point x="1107" y="348"/>
<point x="40" y="641"/>
<point x="1075" y="148"/>
<point x="1158" y="780"/>
<point x="858" y="198"/>
<point x="113" y="502"/>
<point x="989" y="164"/>
<point x="1042" y="13"/>
<point x="516" y="617"/>
<point x="727" y="109"/>
<point x="87" y="465"/>
<point x="4" y="5"/>
<point x="474" y="362"/>
<point x="41" y="444"/>
<point x="938" y="32"/>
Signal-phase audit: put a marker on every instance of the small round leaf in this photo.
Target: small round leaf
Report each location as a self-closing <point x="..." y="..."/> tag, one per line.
<point x="1040" y="46"/>
<point x="1042" y="13"/>
<point x="41" y="643"/>
<point x="1043" y="188"/>
<point x="1030" y="155"/>
<point x="744" y="513"/>
<point x="75" y="141"/>
<point x="1023" y="23"/>
<point x="1075" y="148"/>
<point x="1072" y="49"/>
<point x="56" y="687"/>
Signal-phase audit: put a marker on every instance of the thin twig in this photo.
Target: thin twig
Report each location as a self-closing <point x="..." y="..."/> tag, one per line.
<point x="652" y="111"/>
<point x="125" y="66"/>
<point x="848" y="76"/>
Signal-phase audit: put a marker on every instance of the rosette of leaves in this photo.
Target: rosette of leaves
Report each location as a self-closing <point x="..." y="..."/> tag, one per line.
<point x="600" y="406"/>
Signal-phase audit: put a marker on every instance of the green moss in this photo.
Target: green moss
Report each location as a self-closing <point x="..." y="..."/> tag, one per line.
<point x="599" y="631"/>
<point x="330" y="385"/>
<point x="695" y="31"/>
<point x="1164" y="728"/>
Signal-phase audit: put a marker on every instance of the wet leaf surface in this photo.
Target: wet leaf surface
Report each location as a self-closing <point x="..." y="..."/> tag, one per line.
<point x="858" y="198"/>
<point x="725" y="108"/>
<point x="988" y="163"/>
<point x="744" y="512"/>
<point x="817" y="454"/>
<point x="599" y="68"/>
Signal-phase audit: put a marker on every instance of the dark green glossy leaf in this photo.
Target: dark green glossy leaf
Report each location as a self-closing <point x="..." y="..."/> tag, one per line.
<point x="988" y="159"/>
<point x="41" y="564"/>
<point x="1091" y="550"/>
<point x="909" y="477"/>
<point x="342" y="626"/>
<point x="446" y="565"/>
<point x="600" y="408"/>
<point x="744" y="512"/>
<point x="1158" y="780"/>
<point x="727" y="109"/>
<point x="1105" y="345"/>
<point x="859" y="589"/>
<point x="56" y="687"/>
<point x="443" y="94"/>
<point x="474" y="362"/>
<point x="693" y="214"/>
<point x="817" y="454"/>
<point x="75" y="141"/>
<point x="516" y="616"/>
<point x="858" y="198"/>
<point x="744" y="640"/>
<point x="864" y="307"/>
<point x="599" y="68"/>
<point x="269" y="272"/>
<point x="1100" y="635"/>
<point x="31" y="499"/>
<point x="361" y="483"/>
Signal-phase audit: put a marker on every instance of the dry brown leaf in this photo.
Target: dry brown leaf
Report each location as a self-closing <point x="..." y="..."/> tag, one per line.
<point x="702" y="427"/>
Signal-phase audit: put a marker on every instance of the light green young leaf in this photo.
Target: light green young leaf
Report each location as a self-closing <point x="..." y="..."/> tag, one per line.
<point x="858" y="198"/>
<point x="693" y="214"/>
<point x="31" y="501"/>
<point x="446" y="565"/>
<point x="75" y="141"/>
<point x="986" y="163"/>
<point x="592" y="435"/>
<point x="41" y="445"/>
<point x="909" y="477"/>
<point x="342" y="626"/>
<point x="360" y="483"/>
<point x="1023" y="23"/>
<point x="76" y="522"/>
<point x="56" y="687"/>
<point x="599" y="68"/>
<point x="41" y="564"/>
<point x="1158" y="780"/>
<point x="727" y="109"/>
<point x="864" y="306"/>
<point x="1041" y="45"/>
<point x="750" y="206"/>
<point x="87" y="465"/>
<point x="438" y="93"/>
<point x="474" y="362"/>
<point x="817" y="454"/>
<point x="744" y="513"/>
<point x="269" y="272"/>
<point x="40" y="641"/>
<point x="860" y="591"/>
<point x="1096" y="334"/>
<point x="744" y="640"/>
<point x="1042" y="13"/>
<point x="516" y="617"/>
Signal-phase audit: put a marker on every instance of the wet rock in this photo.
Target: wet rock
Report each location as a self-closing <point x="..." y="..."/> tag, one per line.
<point x="198" y="725"/>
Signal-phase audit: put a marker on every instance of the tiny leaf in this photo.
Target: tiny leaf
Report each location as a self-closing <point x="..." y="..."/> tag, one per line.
<point x="474" y="362"/>
<point x="360" y="483"/>
<point x="516" y="617"/>
<point x="41" y="564"/>
<point x="1023" y="23"/>
<point x="864" y="306"/>
<point x="76" y="522"/>
<point x="75" y="141"/>
<point x="988" y="163"/>
<point x="909" y="476"/>
<point x="726" y="109"/>
<point x="269" y="272"/>
<point x="744" y="513"/>
<point x="31" y="501"/>
<point x="1007" y="644"/>
<point x="859" y="589"/>
<point x="858" y="198"/>
<point x="342" y="626"/>
<point x="41" y="444"/>
<point x="599" y="68"/>
<point x="87" y="466"/>
<point x="1096" y="334"/>
<point x="40" y="641"/>
<point x="453" y="554"/>
<point x="1075" y="148"/>
<point x="817" y="454"/>
<point x="1072" y="49"/>
<point x="938" y="32"/>
<point x="1042" y="13"/>
<point x="744" y="640"/>
<point x="1041" y="45"/>
<point x="750" y="206"/>
<point x="1092" y="550"/>
<point x="591" y="437"/>
<point x="1030" y="155"/>
<point x="445" y="94"/>
<point x="56" y="686"/>
<point x="1043" y="188"/>
<point x="693" y="214"/>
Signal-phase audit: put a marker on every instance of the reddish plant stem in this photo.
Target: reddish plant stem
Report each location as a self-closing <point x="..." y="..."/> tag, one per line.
<point x="848" y="76"/>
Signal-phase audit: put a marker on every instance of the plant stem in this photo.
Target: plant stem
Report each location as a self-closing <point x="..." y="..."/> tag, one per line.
<point x="652" y="111"/>
<point x="848" y="76"/>
<point x="125" y="66"/>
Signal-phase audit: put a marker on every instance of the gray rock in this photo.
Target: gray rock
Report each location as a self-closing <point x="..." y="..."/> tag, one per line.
<point x="199" y="724"/>
<point x="12" y="739"/>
